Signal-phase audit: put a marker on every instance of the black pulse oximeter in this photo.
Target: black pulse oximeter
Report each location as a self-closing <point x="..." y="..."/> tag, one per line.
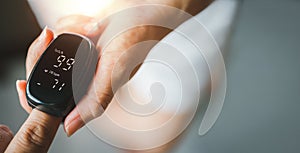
<point x="49" y="87"/>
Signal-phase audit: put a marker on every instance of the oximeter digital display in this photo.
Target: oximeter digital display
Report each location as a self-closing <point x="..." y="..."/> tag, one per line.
<point x="49" y="87"/>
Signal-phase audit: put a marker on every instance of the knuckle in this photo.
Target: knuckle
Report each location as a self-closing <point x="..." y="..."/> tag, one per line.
<point x="35" y="134"/>
<point x="103" y="98"/>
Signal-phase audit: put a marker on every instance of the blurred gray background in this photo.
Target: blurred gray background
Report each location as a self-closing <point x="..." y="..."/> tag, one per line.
<point x="261" y="110"/>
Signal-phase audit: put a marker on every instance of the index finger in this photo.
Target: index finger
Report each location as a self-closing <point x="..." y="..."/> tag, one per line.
<point x="36" y="134"/>
<point x="34" y="52"/>
<point x="37" y="48"/>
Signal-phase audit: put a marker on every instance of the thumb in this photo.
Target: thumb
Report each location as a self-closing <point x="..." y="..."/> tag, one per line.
<point x="5" y="137"/>
<point x="36" y="134"/>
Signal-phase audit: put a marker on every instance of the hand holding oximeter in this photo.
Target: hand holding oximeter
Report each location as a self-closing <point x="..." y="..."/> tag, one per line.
<point x="49" y="87"/>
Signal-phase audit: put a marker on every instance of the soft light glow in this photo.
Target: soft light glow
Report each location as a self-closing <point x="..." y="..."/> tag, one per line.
<point x="48" y="12"/>
<point x="85" y="7"/>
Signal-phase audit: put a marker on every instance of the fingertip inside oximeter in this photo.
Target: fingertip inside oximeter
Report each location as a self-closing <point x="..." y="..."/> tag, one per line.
<point x="49" y="87"/>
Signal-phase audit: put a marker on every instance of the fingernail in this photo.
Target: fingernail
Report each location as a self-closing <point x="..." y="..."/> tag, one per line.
<point x="44" y="32"/>
<point x="17" y="85"/>
<point x="42" y="36"/>
<point x="73" y="126"/>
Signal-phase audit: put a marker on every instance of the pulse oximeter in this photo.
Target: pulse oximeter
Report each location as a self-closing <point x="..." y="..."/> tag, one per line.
<point x="49" y="87"/>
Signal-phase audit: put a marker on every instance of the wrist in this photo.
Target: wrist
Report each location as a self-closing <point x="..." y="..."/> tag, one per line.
<point x="190" y="6"/>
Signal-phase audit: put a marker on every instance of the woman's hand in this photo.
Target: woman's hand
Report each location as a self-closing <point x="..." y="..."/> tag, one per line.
<point x="120" y="33"/>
